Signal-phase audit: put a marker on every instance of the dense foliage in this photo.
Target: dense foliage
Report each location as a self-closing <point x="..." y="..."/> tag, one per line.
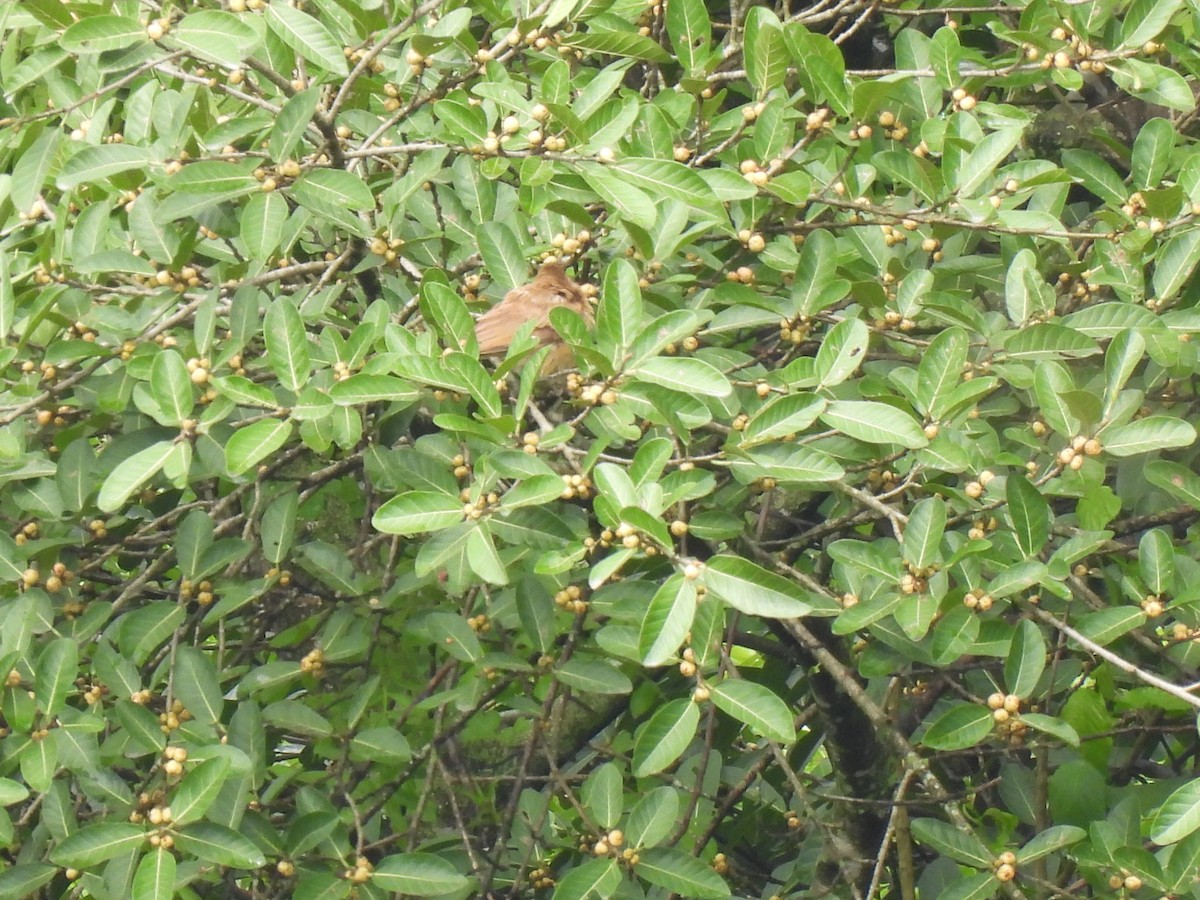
<point x="858" y="558"/>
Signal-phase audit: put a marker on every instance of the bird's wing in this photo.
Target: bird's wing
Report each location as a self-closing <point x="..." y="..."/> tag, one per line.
<point x="495" y="329"/>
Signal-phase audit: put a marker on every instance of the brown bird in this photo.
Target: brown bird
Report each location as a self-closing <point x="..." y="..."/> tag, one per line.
<point x="551" y="287"/>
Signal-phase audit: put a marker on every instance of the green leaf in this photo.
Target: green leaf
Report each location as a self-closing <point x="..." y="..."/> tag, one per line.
<point x="536" y="491"/>
<point x="251" y="444"/>
<point x="1184" y="859"/>
<point x="1178" y="816"/>
<point x="1144" y="20"/>
<point x="245" y="392"/>
<point x="1107" y="320"/>
<point x="384" y="745"/>
<point x="781" y="417"/>
<point x="1018" y="577"/>
<point x="667" y="621"/>
<point x="1106" y="625"/>
<point x="910" y="296"/>
<point x="685" y="374"/>
<point x="307" y="36"/>
<point x="322" y="189"/>
<point x="757" y="706"/>
<point x="418" y="875"/>
<point x="664" y="738"/>
<point x="1096" y="175"/>
<point x="1053" y="839"/>
<point x="979" y="168"/>
<point x="98" y="162"/>
<point x="198" y="790"/>
<point x="50" y="13"/>
<point x="1152" y="150"/>
<point x="1025" y="293"/>
<point x="39" y="760"/>
<point x="841" y="352"/>
<point x="1026" y="659"/>
<point x="975" y="887"/>
<point x="787" y="464"/>
<point x="293" y="121"/>
<point x="653" y="818"/>
<point x="875" y="423"/>
<point x="197" y="685"/>
<point x="131" y="473"/>
<point x="822" y="68"/>
<point x="1029" y="513"/>
<point x="454" y="634"/>
<point x="666" y="329"/>
<point x="667" y="179"/>
<point x="94" y="844"/>
<point x="1124" y="354"/>
<point x="691" y="34"/>
<point x="12" y="559"/>
<point x="923" y="533"/>
<point x="1049" y="341"/>
<point x="448" y="315"/>
<point x="141" y="726"/>
<point x="940" y="369"/>
<point x="1147" y="435"/>
<point x="633" y="204"/>
<point x="262" y="222"/>
<point x="618" y="43"/>
<point x="502" y="253"/>
<point x="7" y="299"/>
<point x="1051" y="384"/>
<point x="158" y="241"/>
<point x="1177" y="480"/>
<point x="619" y="315"/>
<point x="171" y="384"/>
<point x="1156" y="561"/>
<point x="944" y="54"/>
<point x="955" y="635"/>
<point x="215" y="35"/>
<point x="791" y="187"/>
<point x="751" y="589"/>
<point x="595" y="878"/>
<point x="482" y="556"/>
<point x="681" y="873"/>
<point x="462" y="120"/>
<point x="366" y="388"/>
<point x="602" y="795"/>
<point x="213" y="177"/>
<point x="155" y="876"/>
<point x="220" y="845"/>
<point x="1154" y="84"/>
<point x="764" y="49"/>
<point x="593" y="676"/>
<point x="479" y="384"/>
<point x="97" y="33"/>
<point x="1175" y="263"/>
<point x="1052" y="726"/>
<point x="295" y="718"/>
<point x="287" y="344"/>
<point x="418" y="511"/>
<point x="57" y="667"/>
<point x="960" y="846"/>
<point x="25" y="879"/>
<point x="959" y="727"/>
